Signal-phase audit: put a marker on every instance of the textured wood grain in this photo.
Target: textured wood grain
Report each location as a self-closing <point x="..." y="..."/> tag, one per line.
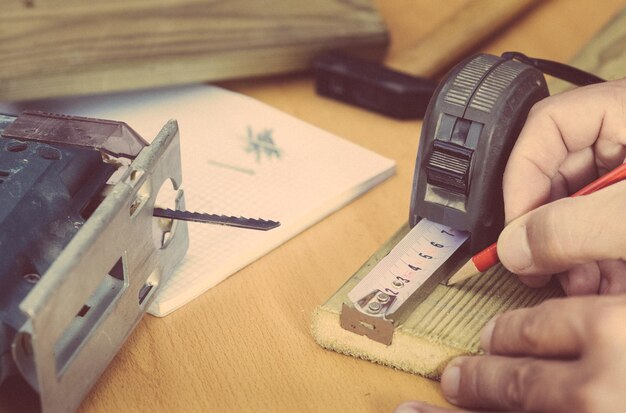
<point x="53" y="47"/>
<point x="433" y="327"/>
<point x="456" y="36"/>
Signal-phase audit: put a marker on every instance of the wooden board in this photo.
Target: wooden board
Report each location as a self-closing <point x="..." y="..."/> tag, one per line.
<point x="435" y="327"/>
<point x="55" y="48"/>
<point x="446" y="322"/>
<point x="456" y="36"/>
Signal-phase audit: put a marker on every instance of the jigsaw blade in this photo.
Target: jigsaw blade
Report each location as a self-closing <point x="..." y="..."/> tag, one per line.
<point x="239" y="222"/>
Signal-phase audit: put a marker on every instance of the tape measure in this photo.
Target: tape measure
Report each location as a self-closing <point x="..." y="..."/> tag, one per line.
<point x="469" y="130"/>
<point x="412" y="261"/>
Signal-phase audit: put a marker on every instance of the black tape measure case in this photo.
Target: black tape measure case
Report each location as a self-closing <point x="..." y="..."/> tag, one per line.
<point x="469" y="130"/>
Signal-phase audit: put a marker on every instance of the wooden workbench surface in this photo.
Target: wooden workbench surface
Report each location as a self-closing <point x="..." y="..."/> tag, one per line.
<point x="245" y="345"/>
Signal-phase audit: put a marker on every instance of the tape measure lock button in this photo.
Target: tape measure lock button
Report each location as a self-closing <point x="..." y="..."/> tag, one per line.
<point x="448" y="167"/>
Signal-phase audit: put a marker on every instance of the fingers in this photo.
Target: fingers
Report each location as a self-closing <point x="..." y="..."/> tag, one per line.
<point x="603" y="277"/>
<point x="613" y="277"/>
<point x="565" y="233"/>
<point x="535" y="281"/>
<point x="583" y="279"/>
<point x="555" y="328"/>
<point x="561" y="356"/>
<point x="562" y="328"/>
<point x="510" y="384"/>
<point x="553" y="149"/>
<point x="419" y="407"/>
<point x="576" y="171"/>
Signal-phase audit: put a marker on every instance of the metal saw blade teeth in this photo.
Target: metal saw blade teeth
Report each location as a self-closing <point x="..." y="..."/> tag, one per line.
<point x="232" y="221"/>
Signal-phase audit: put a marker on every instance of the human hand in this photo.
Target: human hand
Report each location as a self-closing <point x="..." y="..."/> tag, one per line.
<point x="568" y="141"/>
<point x="565" y="355"/>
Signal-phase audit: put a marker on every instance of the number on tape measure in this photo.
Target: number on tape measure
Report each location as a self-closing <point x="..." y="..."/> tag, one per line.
<point x="409" y="264"/>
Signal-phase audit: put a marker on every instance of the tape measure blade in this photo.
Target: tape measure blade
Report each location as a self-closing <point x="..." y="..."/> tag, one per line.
<point x="426" y="247"/>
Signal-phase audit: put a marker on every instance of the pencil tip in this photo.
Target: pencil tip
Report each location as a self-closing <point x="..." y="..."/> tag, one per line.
<point x="468" y="270"/>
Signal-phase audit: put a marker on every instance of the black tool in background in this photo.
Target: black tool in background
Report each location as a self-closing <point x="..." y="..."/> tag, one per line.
<point x="372" y="86"/>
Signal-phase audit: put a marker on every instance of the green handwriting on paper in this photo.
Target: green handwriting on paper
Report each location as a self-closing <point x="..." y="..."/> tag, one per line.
<point x="262" y="144"/>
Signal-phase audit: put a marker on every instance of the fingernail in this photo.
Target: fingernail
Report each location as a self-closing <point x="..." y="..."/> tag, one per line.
<point x="450" y="380"/>
<point x="513" y="248"/>
<point x="486" y="333"/>
<point x="406" y="408"/>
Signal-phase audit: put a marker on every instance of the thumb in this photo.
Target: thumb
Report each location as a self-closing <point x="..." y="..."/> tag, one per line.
<point x="567" y="232"/>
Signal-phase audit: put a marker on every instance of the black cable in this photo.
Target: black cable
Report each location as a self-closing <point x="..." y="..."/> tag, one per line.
<point x="556" y="69"/>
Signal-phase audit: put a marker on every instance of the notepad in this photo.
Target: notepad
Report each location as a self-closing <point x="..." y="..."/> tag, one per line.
<point x="240" y="157"/>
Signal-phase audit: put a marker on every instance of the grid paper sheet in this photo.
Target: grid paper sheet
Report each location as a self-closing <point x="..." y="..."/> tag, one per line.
<point x="240" y="157"/>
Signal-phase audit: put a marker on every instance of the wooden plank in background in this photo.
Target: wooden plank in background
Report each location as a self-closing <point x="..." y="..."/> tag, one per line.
<point x="54" y="48"/>
<point x="604" y="56"/>
<point x="456" y="36"/>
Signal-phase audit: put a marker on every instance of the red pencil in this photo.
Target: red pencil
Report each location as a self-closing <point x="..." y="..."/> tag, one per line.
<point x="488" y="257"/>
